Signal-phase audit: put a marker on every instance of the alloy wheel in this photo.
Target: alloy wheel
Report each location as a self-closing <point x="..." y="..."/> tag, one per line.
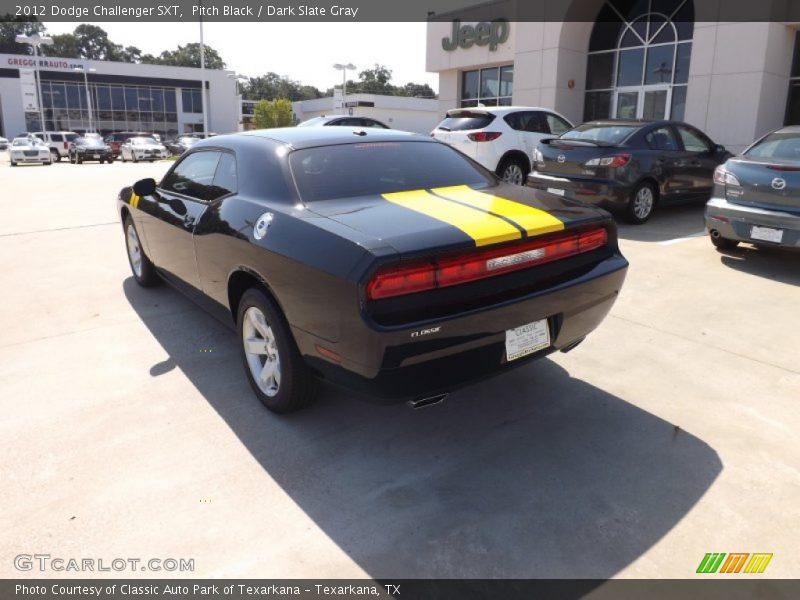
<point x="134" y="250"/>
<point x="513" y="174"/>
<point x="643" y="203"/>
<point x="261" y="351"/>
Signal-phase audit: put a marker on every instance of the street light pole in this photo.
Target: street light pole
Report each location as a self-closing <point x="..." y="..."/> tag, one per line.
<point x="36" y="40"/>
<point x="203" y="72"/>
<point x="344" y="69"/>
<point x="88" y="95"/>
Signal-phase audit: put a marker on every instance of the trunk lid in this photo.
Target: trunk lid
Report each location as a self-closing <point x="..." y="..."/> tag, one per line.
<point x="765" y="183"/>
<point x="565" y="158"/>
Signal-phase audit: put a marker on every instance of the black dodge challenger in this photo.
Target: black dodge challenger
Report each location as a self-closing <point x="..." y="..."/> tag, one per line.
<point x="380" y="260"/>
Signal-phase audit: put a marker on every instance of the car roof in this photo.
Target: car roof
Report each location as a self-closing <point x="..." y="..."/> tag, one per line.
<point x="306" y="137"/>
<point x="788" y="129"/>
<point x="501" y="110"/>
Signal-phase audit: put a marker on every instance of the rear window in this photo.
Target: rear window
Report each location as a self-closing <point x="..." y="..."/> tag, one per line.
<point x="463" y="120"/>
<point x="71" y="137"/>
<point x="777" y="145"/>
<point x="56" y="137"/>
<point x="350" y="170"/>
<point x="606" y="133"/>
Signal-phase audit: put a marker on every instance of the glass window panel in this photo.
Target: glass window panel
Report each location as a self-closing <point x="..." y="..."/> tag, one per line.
<point x="640" y="27"/>
<point x="678" y="103"/>
<point x="469" y="103"/>
<point x="504" y="102"/>
<point x="186" y="98"/>
<point x="683" y="20"/>
<point x="172" y="117"/>
<point x="197" y="101"/>
<point x="506" y="80"/>
<point x="667" y="34"/>
<point x="629" y="40"/>
<point x="470" y="85"/>
<point x="169" y="101"/>
<point x="131" y="99"/>
<point x="73" y="95"/>
<point x="489" y="101"/>
<point x="655" y="105"/>
<point x="490" y="85"/>
<point x="597" y="106"/>
<point x="606" y="30"/>
<point x="692" y="140"/>
<point x="600" y="71"/>
<point x="629" y="71"/>
<point x="117" y="98"/>
<point x="684" y="53"/>
<point x="158" y="100"/>
<point x="660" y="61"/>
<point x="655" y="23"/>
<point x="145" y="100"/>
<point x="47" y="95"/>
<point x="59" y="95"/>
<point x="627" y="103"/>
<point x="103" y="97"/>
<point x="119" y="115"/>
<point x="796" y="60"/>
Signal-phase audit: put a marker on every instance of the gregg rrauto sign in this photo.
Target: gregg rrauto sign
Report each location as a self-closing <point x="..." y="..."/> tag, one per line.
<point x="24" y="62"/>
<point x="482" y="34"/>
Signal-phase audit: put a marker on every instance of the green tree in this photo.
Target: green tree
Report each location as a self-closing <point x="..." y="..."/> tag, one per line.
<point x="186" y="56"/>
<point x="272" y="113"/>
<point x="375" y="81"/>
<point x="271" y="86"/>
<point x="64" y="45"/>
<point x="92" y="43"/>
<point x="11" y="27"/>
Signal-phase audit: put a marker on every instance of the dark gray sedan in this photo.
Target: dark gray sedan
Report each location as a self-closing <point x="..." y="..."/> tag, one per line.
<point x="756" y="195"/>
<point x="630" y="166"/>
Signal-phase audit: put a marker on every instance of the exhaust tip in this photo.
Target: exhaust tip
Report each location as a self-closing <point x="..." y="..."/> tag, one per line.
<point x="428" y="401"/>
<point x="714" y="234"/>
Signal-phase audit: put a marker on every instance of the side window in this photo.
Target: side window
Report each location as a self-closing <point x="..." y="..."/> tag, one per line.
<point x="533" y="122"/>
<point x="556" y="124"/>
<point x="226" y="178"/>
<point x="662" y="139"/>
<point x="39" y="135"/>
<point x="513" y="120"/>
<point x="193" y="176"/>
<point x="56" y="137"/>
<point x="692" y="140"/>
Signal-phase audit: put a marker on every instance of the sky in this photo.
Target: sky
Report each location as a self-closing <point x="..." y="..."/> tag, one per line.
<point x="304" y="52"/>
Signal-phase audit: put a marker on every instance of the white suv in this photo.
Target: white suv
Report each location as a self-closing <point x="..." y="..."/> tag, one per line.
<point x="502" y="138"/>
<point x="58" y="141"/>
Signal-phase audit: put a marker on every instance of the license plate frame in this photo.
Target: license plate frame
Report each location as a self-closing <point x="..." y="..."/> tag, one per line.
<point x="527" y="339"/>
<point x="766" y="234"/>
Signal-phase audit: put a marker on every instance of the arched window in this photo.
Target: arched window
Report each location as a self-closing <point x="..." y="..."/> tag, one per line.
<point x="638" y="61"/>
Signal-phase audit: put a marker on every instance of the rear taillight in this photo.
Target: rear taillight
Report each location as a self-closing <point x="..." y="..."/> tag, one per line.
<point x="66" y="145"/>
<point x="484" y="136"/>
<point x="454" y="270"/>
<point x="617" y="160"/>
<point x="724" y="177"/>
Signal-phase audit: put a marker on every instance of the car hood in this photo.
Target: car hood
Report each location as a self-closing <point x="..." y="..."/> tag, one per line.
<point x="457" y="217"/>
<point x="148" y="147"/>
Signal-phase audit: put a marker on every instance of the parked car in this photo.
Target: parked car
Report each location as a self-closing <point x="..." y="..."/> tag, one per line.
<point x="502" y="139"/>
<point x="631" y="166"/>
<point x="90" y="147"/>
<point x="29" y="149"/>
<point x="756" y="196"/>
<point x="3" y="143"/>
<point x="142" y="148"/>
<point x="58" y="141"/>
<point x="181" y="144"/>
<point x="395" y="264"/>
<point x="115" y="140"/>
<point x="342" y="121"/>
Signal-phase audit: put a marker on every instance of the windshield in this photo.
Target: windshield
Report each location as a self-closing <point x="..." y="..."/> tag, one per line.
<point x="349" y="170"/>
<point x="90" y="141"/>
<point x="143" y="141"/>
<point x="189" y="140"/>
<point x="607" y="133"/>
<point x="24" y="142"/>
<point x="777" y="145"/>
<point x="462" y="120"/>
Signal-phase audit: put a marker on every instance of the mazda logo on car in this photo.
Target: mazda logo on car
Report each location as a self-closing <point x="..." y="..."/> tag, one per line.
<point x="778" y="183"/>
<point x="561" y="158"/>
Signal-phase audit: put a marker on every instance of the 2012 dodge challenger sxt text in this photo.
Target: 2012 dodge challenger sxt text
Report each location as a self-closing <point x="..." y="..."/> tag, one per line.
<point x="384" y="261"/>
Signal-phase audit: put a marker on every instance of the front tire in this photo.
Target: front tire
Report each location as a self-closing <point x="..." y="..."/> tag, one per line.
<point x="274" y="368"/>
<point x="56" y="155"/>
<point x="642" y="203"/>
<point x="513" y="170"/>
<point x="144" y="272"/>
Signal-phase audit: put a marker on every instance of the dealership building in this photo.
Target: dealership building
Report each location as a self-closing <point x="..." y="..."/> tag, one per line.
<point x="121" y="97"/>
<point x="649" y="59"/>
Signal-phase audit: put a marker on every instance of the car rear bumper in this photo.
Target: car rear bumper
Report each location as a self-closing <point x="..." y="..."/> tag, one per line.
<point x="605" y="193"/>
<point x="469" y="347"/>
<point x="736" y="222"/>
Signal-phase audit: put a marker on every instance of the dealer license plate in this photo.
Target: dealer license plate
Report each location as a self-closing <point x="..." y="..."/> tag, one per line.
<point x="555" y="191"/>
<point x="767" y="234"/>
<point x="525" y="340"/>
<point x="96" y="156"/>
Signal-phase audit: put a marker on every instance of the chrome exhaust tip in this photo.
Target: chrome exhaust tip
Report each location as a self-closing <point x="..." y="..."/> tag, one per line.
<point x="428" y="401"/>
<point x="714" y="234"/>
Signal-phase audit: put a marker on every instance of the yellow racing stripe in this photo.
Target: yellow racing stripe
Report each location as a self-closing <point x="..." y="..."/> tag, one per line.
<point x="482" y="227"/>
<point x="533" y="220"/>
<point x="134" y="201"/>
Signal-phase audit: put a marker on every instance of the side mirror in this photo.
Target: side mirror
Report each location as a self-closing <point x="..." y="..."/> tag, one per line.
<point x="720" y="149"/>
<point x="145" y="187"/>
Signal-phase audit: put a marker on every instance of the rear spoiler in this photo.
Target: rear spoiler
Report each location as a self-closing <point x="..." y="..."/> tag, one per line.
<point x="584" y="143"/>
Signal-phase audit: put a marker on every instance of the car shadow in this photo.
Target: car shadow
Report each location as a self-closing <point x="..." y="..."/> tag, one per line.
<point x="771" y="263"/>
<point x="667" y="223"/>
<point x="534" y="474"/>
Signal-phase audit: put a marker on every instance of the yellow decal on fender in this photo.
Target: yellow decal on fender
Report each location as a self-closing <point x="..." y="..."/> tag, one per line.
<point x="481" y="226"/>
<point x="533" y="220"/>
<point x="134" y="201"/>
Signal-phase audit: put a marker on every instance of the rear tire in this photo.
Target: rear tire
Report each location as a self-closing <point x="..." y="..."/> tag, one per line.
<point x="513" y="170"/>
<point x="721" y="243"/>
<point x="273" y="366"/>
<point x="144" y="272"/>
<point x="642" y="203"/>
<point x="56" y="155"/>
<point x="13" y="164"/>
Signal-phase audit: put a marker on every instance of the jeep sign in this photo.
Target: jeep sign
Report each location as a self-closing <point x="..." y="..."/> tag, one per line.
<point x="465" y="36"/>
